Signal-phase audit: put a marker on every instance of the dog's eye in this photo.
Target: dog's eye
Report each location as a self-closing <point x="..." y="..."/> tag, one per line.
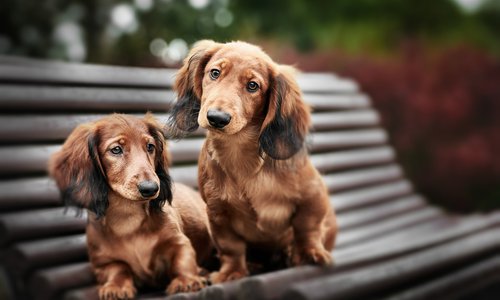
<point x="214" y="74"/>
<point x="252" y="86"/>
<point x="116" y="150"/>
<point x="150" y="148"/>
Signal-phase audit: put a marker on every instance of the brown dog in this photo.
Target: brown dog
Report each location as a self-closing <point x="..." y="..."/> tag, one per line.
<point x="255" y="175"/>
<point x="116" y="167"/>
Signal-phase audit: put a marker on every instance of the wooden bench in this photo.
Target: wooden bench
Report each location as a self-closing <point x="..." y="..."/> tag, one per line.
<point x="392" y="243"/>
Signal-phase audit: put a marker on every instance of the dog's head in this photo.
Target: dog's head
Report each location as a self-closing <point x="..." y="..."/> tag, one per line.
<point x="117" y="154"/>
<point x="228" y="87"/>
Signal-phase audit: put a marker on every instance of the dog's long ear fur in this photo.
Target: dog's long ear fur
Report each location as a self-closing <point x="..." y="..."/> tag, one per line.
<point x="287" y="119"/>
<point x="161" y="164"/>
<point x="188" y="85"/>
<point x="78" y="171"/>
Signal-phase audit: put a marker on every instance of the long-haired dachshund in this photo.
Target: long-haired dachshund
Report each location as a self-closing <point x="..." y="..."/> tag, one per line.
<point x="140" y="229"/>
<point x="260" y="187"/>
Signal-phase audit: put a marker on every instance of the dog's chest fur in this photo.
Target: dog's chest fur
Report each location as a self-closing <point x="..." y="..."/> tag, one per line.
<point x="139" y="252"/>
<point x="261" y="201"/>
<point x="262" y="208"/>
<point x="122" y="242"/>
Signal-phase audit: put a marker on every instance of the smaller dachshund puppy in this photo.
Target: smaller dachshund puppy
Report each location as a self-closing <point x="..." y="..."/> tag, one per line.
<point x="140" y="229"/>
<point x="261" y="189"/>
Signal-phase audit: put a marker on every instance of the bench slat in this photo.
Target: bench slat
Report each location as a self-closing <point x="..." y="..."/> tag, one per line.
<point x="324" y="141"/>
<point x="47" y="98"/>
<point x="364" y="216"/>
<point x="413" y="239"/>
<point x="350" y="179"/>
<point x="18" y="160"/>
<point x="381" y="227"/>
<point x="398" y="271"/>
<point x="28" y="192"/>
<point x="26" y="256"/>
<point x="96" y="75"/>
<point x="39" y="223"/>
<point x="329" y="162"/>
<point x="50" y="99"/>
<point x="370" y="195"/>
<point x="457" y="285"/>
<point x="44" y="128"/>
<point x="345" y="119"/>
<point x="325" y="102"/>
<point x="48" y="283"/>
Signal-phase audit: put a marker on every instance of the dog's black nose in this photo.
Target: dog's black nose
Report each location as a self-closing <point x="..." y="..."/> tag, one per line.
<point x="148" y="188"/>
<point x="217" y="118"/>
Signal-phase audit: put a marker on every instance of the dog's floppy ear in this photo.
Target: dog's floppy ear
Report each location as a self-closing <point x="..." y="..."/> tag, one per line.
<point x="184" y="114"/>
<point x="162" y="162"/>
<point x="78" y="171"/>
<point x="287" y="119"/>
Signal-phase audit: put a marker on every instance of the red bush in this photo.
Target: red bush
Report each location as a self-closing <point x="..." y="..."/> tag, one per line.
<point x="443" y="114"/>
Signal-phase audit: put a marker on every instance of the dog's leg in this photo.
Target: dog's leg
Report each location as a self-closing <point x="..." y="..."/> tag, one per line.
<point x="115" y="281"/>
<point x="231" y="250"/>
<point x="308" y="233"/>
<point x="183" y="270"/>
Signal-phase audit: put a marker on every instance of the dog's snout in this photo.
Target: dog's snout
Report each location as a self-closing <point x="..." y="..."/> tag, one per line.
<point x="148" y="188"/>
<point x="217" y="118"/>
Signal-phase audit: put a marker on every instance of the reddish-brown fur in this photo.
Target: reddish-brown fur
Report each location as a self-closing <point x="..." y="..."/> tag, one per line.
<point x="132" y="238"/>
<point x="255" y="175"/>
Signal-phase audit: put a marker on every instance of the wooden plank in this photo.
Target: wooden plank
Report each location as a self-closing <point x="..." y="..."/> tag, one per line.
<point x="29" y="255"/>
<point x="19" y="160"/>
<point x="6" y="285"/>
<point x="85" y="293"/>
<point x="386" y="226"/>
<point x="353" y="179"/>
<point x="324" y="102"/>
<point x="344" y="119"/>
<point x="40" y="223"/>
<point x="185" y="174"/>
<point x="370" y="195"/>
<point x="457" y="285"/>
<point x="324" y="141"/>
<point x="32" y="159"/>
<point x="329" y="162"/>
<point x="374" y="213"/>
<point x="46" y="284"/>
<point x="90" y="75"/>
<point x="47" y="98"/>
<point x="50" y="99"/>
<point x="412" y="239"/>
<point x="99" y="75"/>
<point x="43" y="128"/>
<point x="367" y="281"/>
<point x="28" y="192"/>
<point x="325" y="83"/>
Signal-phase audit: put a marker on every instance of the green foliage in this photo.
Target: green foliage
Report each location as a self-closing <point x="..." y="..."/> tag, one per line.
<point x="374" y="26"/>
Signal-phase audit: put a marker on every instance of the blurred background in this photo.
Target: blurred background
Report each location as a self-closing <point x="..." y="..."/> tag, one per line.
<point x="432" y="67"/>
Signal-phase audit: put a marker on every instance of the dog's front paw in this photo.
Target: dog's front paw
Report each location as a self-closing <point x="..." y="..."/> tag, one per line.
<point x="114" y="291"/>
<point x="219" y="277"/>
<point x="312" y="256"/>
<point x="184" y="284"/>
